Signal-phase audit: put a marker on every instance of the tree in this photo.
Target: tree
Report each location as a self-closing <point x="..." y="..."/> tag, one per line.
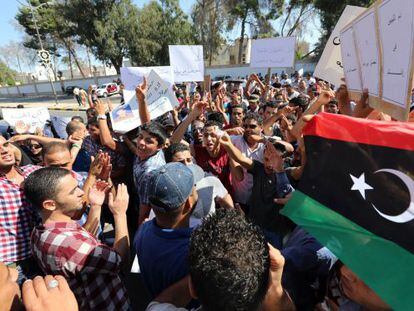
<point x="7" y="75"/>
<point x="161" y="25"/>
<point x="252" y="12"/>
<point x="53" y="30"/>
<point x="329" y="12"/>
<point x="209" y="18"/>
<point x="109" y="28"/>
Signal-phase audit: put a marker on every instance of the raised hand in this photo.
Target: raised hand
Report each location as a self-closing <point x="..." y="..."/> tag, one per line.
<point x="119" y="204"/>
<point x="100" y="107"/>
<point x="275" y="157"/>
<point x="98" y="192"/>
<point x="141" y="90"/>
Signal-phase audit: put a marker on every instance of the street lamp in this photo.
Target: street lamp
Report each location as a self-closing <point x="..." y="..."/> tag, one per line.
<point x="33" y="11"/>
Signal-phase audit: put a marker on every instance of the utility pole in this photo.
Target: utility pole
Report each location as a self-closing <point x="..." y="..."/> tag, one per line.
<point x="32" y="10"/>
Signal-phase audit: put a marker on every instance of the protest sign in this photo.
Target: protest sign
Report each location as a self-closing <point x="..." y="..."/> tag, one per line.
<point x="124" y="118"/>
<point x="329" y="67"/>
<point x="160" y="99"/>
<point x="273" y="52"/>
<point x="368" y="52"/>
<point x="350" y="62"/>
<point x="396" y="34"/>
<point x="187" y="62"/>
<point x="133" y="76"/>
<point x="26" y="120"/>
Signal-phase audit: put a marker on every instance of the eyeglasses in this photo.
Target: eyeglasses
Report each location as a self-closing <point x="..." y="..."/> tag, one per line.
<point x="35" y="146"/>
<point x="249" y="126"/>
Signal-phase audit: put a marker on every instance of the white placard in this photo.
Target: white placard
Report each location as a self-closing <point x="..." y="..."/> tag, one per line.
<point x="350" y="60"/>
<point x="187" y="62"/>
<point x="26" y="120"/>
<point x="157" y="88"/>
<point x="273" y="52"/>
<point x="368" y="51"/>
<point x="160" y="99"/>
<point x="397" y="41"/>
<point x="329" y="67"/>
<point x="133" y="76"/>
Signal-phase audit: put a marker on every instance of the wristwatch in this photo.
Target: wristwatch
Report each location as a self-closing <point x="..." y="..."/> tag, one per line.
<point x="101" y="117"/>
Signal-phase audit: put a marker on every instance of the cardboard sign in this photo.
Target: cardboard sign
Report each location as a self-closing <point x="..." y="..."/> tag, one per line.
<point x="273" y="52"/>
<point x="26" y="120"/>
<point x="396" y="33"/>
<point x="187" y="62"/>
<point x="350" y="62"/>
<point x="133" y="76"/>
<point x="329" y="67"/>
<point x="368" y="51"/>
<point x="160" y="99"/>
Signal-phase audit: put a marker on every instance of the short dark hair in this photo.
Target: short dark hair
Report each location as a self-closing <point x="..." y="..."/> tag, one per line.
<point x="41" y="185"/>
<point x="272" y="105"/>
<point x="54" y="146"/>
<point x="229" y="262"/>
<point x="254" y="116"/>
<point x="216" y="116"/>
<point x="93" y="121"/>
<point x="73" y="126"/>
<point x="77" y="118"/>
<point x="210" y="123"/>
<point x="155" y="129"/>
<point x="173" y="149"/>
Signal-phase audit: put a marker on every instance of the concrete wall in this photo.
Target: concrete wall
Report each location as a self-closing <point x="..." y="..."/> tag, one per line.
<point x="44" y="88"/>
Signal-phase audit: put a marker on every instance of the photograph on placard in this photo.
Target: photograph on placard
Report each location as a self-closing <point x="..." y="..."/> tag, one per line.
<point x="396" y="32"/>
<point x="350" y="62"/>
<point x="365" y="31"/>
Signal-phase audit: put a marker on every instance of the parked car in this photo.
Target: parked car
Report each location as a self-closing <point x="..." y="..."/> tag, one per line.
<point x="107" y="89"/>
<point x="69" y="89"/>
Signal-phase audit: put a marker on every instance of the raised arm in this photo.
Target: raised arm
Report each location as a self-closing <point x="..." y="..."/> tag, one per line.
<point x="141" y="92"/>
<point x="104" y="132"/>
<point x="234" y="153"/>
<point x="179" y="132"/>
<point x="323" y="99"/>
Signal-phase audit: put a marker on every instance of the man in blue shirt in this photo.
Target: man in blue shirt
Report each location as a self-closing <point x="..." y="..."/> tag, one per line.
<point x="162" y="243"/>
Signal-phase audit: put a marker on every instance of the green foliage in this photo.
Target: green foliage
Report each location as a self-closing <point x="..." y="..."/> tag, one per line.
<point x="329" y="12"/>
<point x="161" y="25"/>
<point x="7" y="75"/>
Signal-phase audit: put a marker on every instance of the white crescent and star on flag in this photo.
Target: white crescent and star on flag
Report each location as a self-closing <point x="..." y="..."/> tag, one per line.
<point x="360" y="185"/>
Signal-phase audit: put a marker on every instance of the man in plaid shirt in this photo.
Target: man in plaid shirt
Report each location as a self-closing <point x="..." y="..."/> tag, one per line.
<point x="17" y="217"/>
<point x="63" y="247"/>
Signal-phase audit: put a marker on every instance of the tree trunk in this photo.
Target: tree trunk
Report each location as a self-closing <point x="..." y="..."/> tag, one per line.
<point x="243" y="29"/>
<point x="70" y="63"/>
<point x="77" y="62"/>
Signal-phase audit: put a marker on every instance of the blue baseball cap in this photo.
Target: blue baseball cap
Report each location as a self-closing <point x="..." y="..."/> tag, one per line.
<point x="170" y="186"/>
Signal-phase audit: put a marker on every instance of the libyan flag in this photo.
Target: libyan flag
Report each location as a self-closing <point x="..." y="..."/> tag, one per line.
<point x="356" y="196"/>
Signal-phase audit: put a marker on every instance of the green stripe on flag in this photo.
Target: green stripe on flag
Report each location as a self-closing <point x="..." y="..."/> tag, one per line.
<point x="384" y="266"/>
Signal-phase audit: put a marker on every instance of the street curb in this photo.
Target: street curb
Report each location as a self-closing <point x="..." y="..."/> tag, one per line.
<point x="53" y="108"/>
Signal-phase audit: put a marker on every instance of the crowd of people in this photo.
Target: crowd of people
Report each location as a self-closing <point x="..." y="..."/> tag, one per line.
<point x="194" y="195"/>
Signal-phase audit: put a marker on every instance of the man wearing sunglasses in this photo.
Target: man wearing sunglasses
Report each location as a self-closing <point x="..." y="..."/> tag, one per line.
<point x="250" y="147"/>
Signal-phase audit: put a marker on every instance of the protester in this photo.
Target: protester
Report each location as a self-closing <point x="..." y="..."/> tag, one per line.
<point x="62" y="247"/>
<point x="162" y="243"/>
<point x="17" y="216"/>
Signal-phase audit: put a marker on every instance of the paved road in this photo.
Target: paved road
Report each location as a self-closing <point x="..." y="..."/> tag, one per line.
<point x="64" y="102"/>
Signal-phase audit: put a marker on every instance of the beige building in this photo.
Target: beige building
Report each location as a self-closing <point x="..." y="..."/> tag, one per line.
<point x="229" y="54"/>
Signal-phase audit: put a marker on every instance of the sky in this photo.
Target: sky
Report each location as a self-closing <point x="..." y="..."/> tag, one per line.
<point x="9" y="31"/>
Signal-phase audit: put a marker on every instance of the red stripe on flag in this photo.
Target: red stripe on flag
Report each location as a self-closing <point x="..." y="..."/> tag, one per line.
<point x="399" y="135"/>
